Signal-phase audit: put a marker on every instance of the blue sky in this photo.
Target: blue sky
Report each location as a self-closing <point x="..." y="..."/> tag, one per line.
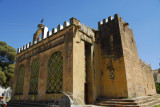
<point x="19" y="20"/>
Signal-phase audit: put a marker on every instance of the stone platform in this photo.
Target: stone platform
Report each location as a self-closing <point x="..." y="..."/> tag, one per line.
<point x="144" y="101"/>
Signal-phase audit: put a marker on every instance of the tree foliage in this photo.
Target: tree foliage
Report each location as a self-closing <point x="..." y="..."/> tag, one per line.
<point x="155" y="76"/>
<point x="7" y="66"/>
<point x="157" y="87"/>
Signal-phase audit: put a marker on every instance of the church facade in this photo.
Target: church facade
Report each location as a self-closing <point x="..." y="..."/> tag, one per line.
<point x="78" y="60"/>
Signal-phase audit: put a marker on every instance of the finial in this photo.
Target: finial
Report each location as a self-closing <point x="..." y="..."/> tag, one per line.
<point x="42" y="20"/>
<point x="41" y="25"/>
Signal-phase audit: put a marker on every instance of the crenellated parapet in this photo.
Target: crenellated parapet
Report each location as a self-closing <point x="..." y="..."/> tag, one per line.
<point x="45" y="33"/>
<point x="141" y="61"/>
<point x="105" y="21"/>
<point x="87" y="30"/>
<point x="111" y="20"/>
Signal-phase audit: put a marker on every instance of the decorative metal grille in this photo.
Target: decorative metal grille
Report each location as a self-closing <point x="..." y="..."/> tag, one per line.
<point x="33" y="89"/>
<point x="54" y="97"/>
<point x="55" y="73"/>
<point x="112" y="74"/>
<point x="20" y="81"/>
<point x="18" y="97"/>
<point x="32" y="97"/>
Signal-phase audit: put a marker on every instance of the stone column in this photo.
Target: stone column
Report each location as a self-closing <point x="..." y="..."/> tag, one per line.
<point x="27" y="65"/>
<point x="68" y="62"/>
<point x="42" y="80"/>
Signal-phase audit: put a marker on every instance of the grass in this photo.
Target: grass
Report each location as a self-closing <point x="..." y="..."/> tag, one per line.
<point x="157" y="106"/>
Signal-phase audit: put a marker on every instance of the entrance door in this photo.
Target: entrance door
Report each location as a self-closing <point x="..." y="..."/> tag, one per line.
<point x="87" y="71"/>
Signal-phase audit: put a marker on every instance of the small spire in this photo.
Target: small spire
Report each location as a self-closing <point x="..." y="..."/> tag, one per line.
<point x="42" y="20"/>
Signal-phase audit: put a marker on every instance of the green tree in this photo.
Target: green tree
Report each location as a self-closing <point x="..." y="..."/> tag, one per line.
<point x="157" y="87"/>
<point x="7" y="64"/>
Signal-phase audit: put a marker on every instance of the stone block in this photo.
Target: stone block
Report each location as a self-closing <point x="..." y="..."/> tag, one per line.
<point x="91" y="32"/>
<point x="60" y="27"/>
<point x="54" y="30"/>
<point x="21" y="49"/>
<point x="49" y="33"/>
<point x="27" y="45"/>
<point x="18" y="50"/>
<point x="35" y="42"/>
<point x="85" y="29"/>
<point x="30" y="44"/>
<point x="99" y="24"/>
<point x="66" y="24"/>
<point x="105" y="20"/>
<point x="82" y="27"/>
<point x="116" y="16"/>
<point x="39" y="39"/>
<point x="74" y="21"/>
<point x="24" y="47"/>
<point x="88" y="30"/>
<point x="110" y="18"/>
<point x="44" y="35"/>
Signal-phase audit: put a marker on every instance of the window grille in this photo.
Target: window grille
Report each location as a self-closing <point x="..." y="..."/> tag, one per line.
<point x="55" y="73"/>
<point x="33" y="89"/>
<point x="20" y="81"/>
<point x="112" y="74"/>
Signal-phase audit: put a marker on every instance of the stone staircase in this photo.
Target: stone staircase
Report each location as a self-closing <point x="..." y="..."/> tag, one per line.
<point x="144" y="101"/>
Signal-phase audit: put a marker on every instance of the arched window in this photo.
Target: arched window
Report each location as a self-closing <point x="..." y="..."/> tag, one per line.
<point x="33" y="89"/>
<point x="55" y="73"/>
<point x="20" y="80"/>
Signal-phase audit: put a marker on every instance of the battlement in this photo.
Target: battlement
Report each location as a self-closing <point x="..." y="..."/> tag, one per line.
<point x="87" y="30"/>
<point x="141" y="61"/>
<point x="110" y="19"/>
<point x="46" y="34"/>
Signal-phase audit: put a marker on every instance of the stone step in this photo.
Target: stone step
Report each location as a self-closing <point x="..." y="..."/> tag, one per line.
<point x="145" y="101"/>
<point x="106" y="99"/>
<point x="121" y="100"/>
<point x="150" y="104"/>
<point x="143" y="98"/>
<point x="117" y="105"/>
<point x="118" y="102"/>
<point x="157" y="104"/>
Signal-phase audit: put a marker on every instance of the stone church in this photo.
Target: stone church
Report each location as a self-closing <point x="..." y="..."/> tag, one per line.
<point x="74" y="59"/>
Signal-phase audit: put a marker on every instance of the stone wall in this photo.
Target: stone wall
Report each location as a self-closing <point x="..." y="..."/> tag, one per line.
<point x="70" y="41"/>
<point x="112" y="60"/>
<point x="136" y="73"/>
<point x="149" y="84"/>
<point x="42" y="51"/>
<point x="118" y="50"/>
